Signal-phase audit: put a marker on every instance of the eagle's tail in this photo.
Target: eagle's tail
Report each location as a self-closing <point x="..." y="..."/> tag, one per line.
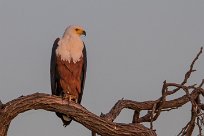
<point x="65" y="119"/>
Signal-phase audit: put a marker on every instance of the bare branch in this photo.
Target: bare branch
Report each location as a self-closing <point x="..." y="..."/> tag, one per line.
<point x="76" y="111"/>
<point x="188" y="73"/>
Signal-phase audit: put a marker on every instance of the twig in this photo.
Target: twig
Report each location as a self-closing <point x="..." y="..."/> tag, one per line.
<point x="188" y="73"/>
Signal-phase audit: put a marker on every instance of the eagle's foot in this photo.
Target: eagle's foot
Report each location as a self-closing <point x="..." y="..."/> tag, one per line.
<point x="72" y="98"/>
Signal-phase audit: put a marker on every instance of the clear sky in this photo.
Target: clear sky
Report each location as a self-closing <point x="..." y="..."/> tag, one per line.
<point x="132" y="46"/>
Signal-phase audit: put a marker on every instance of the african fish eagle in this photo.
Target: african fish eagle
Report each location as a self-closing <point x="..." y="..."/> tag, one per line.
<point x="68" y="67"/>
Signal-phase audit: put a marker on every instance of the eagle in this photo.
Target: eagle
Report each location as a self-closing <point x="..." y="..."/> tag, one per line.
<point x="68" y="67"/>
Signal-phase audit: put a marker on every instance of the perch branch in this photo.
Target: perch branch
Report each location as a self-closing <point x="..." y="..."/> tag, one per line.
<point x="52" y="103"/>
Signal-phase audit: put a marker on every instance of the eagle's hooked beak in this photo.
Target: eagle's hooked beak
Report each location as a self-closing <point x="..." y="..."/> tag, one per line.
<point x="84" y="33"/>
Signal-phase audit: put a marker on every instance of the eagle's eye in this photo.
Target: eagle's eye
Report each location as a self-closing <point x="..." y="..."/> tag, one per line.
<point x="77" y="29"/>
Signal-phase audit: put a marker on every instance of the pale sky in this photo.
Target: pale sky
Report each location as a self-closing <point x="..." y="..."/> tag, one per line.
<point x="132" y="47"/>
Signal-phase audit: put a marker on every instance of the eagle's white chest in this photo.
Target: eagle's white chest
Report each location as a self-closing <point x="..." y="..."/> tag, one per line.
<point x="70" y="48"/>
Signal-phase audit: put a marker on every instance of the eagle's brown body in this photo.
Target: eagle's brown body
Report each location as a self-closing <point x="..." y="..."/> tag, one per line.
<point x="70" y="77"/>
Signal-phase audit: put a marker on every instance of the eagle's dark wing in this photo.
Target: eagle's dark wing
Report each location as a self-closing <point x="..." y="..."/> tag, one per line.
<point x="83" y="74"/>
<point x="54" y="77"/>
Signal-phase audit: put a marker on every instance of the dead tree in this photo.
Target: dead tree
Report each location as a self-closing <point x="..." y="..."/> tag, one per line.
<point x="103" y="124"/>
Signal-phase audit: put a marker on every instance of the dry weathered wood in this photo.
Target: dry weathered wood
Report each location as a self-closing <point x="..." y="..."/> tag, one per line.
<point x="101" y="125"/>
<point x="147" y="105"/>
<point x="76" y="111"/>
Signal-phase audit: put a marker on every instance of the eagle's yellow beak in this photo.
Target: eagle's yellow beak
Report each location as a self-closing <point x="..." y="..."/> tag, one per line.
<point x="80" y="32"/>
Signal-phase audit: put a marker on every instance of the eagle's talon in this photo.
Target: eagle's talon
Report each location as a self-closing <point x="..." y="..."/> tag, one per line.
<point x="71" y="98"/>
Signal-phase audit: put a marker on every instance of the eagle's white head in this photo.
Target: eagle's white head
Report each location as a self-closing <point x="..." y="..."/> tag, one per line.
<point x="74" y="30"/>
<point x="70" y="45"/>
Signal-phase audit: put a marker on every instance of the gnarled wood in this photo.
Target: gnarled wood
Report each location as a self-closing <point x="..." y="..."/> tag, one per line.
<point x="52" y="103"/>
